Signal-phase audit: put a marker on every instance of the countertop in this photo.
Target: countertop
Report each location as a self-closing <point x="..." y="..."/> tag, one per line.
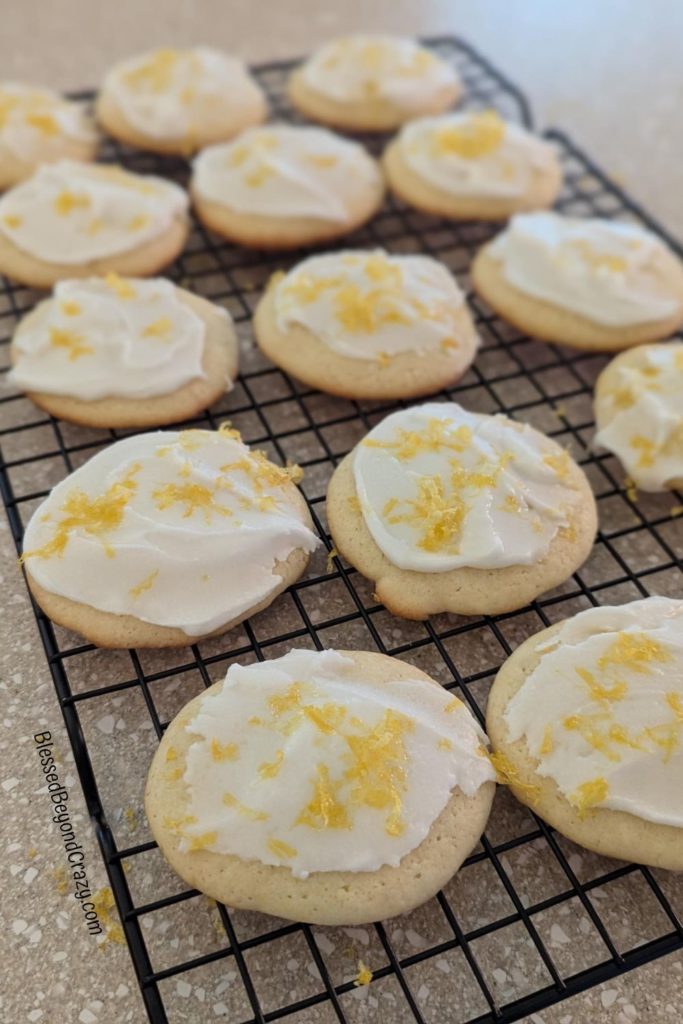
<point x="611" y="75"/>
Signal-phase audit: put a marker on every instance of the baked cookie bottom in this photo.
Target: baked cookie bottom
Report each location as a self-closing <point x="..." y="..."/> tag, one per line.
<point x="144" y="261"/>
<point x="219" y="362"/>
<point x="325" y="897"/>
<point x="113" y="121"/>
<point x="548" y="322"/>
<point x="407" y="375"/>
<point x="409" y="187"/>
<point x="465" y="591"/>
<point x="368" y="115"/>
<point x="609" y="833"/>
<point x="271" y="233"/>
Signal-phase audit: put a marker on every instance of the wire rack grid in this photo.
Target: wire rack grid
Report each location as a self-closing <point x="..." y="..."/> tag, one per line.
<point x="530" y="919"/>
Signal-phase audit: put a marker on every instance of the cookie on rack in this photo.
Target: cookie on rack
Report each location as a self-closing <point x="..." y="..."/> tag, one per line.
<point x="285" y="186"/>
<point x="178" y="101"/>
<point x="589" y="283"/>
<point x="372" y="83"/>
<point x="323" y="786"/>
<point x="586" y="720"/>
<point x="38" y="126"/>
<point x="471" y="166"/>
<point x="639" y="414"/>
<point x="454" y="511"/>
<point x="368" y="325"/>
<point x="75" y="219"/>
<point x="163" y="539"/>
<point x="124" y="352"/>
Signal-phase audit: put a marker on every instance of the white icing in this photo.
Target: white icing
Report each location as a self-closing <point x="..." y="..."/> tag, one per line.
<point x="167" y="94"/>
<point x="199" y="530"/>
<point x="629" y="739"/>
<point x="615" y="274"/>
<point x="366" y="67"/>
<point x="286" y="171"/>
<point x="474" y="155"/>
<point x="439" y="749"/>
<point x="35" y="123"/>
<point x="441" y="488"/>
<point x="70" y="212"/>
<point x="370" y="304"/>
<point x="640" y="418"/>
<point x="89" y="342"/>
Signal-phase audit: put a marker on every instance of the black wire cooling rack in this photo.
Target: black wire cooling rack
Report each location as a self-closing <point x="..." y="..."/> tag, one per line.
<point x="530" y="919"/>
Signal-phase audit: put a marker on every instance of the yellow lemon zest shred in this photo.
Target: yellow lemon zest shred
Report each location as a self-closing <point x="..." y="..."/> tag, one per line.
<point x="282" y="849"/>
<point x="270" y="769"/>
<point x="146" y="584"/>
<point x="247" y="812"/>
<point x="70" y="341"/>
<point x="364" y="976"/>
<point x="589" y="794"/>
<point x="224" y="751"/>
<point x="324" y="810"/>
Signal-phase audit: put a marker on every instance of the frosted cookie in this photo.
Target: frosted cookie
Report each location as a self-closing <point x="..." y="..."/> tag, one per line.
<point x="78" y="220"/>
<point x="453" y="511"/>
<point x="586" y="719"/>
<point x="284" y="186"/>
<point x="372" y="83"/>
<point x="593" y="284"/>
<point x="471" y="167"/>
<point x="368" y="324"/>
<point x="38" y="126"/>
<point x="115" y="352"/>
<point x="163" y="539"/>
<point x="639" y="414"/>
<point x="324" y="786"/>
<point x="176" y="101"/>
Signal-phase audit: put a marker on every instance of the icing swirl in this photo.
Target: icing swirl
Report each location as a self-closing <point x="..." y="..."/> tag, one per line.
<point x="363" y="68"/>
<point x="170" y="94"/>
<point x="104" y="337"/>
<point x="615" y="274"/>
<point x="371" y="305"/>
<point x="603" y="710"/>
<point x="441" y="488"/>
<point x="177" y="529"/>
<point x="70" y="212"/>
<point x="474" y="154"/>
<point x="639" y="415"/>
<point x="35" y="123"/>
<point x="299" y="762"/>
<point x="286" y="171"/>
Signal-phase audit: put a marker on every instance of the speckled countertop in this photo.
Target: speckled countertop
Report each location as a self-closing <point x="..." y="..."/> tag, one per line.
<point x="610" y="74"/>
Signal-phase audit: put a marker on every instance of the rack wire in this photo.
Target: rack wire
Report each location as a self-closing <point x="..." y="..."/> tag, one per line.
<point x="530" y="919"/>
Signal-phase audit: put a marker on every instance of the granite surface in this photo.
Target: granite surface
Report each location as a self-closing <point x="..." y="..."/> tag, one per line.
<point x="611" y="74"/>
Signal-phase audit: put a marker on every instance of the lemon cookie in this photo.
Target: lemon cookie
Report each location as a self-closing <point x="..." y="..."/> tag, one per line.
<point x="78" y="220"/>
<point x="176" y="101"/>
<point x="284" y="186"/>
<point x="586" y="719"/>
<point x="471" y="167"/>
<point x="115" y="352"/>
<point x="639" y="415"/>
<point x="591" y="284"/>
<point x="38" y="126"/>
<point x="372" y="83"/>
<point x="324" y="786"/>
<point x="162" y="539"/>
<point x="453" y="511"/>
<point x="368" y="324"/>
